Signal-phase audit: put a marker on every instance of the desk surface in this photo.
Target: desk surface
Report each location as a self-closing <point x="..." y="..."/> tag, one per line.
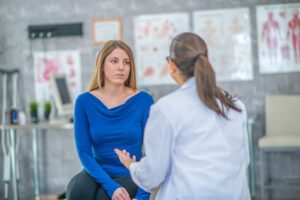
<point x="55" y="126"/>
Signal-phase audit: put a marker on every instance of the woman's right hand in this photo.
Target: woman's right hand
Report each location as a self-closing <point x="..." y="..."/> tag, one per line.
<point x="120" y="194"/>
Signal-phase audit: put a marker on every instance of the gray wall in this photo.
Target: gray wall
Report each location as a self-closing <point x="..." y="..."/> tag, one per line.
<point x="58" y="159"/>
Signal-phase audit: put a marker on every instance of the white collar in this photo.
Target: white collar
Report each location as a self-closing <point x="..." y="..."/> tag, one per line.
<point x="190" y="82"/>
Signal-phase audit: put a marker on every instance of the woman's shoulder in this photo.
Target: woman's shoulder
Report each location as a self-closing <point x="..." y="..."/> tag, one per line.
<point x="146" y="97"/>
<point x="82" y="97"/>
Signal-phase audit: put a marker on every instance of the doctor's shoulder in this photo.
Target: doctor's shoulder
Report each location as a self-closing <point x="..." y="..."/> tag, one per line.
<point x="170" y="102"/>
<point x="240" y="104"/>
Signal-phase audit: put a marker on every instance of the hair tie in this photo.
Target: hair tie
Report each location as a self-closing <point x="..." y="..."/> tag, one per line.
<point x="198" y="56"/>
<point x="201" y="54"/>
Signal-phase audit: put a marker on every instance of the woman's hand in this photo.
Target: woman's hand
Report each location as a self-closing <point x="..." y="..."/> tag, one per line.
<point x="120" y="194"/>
<point x="124" y="157"/>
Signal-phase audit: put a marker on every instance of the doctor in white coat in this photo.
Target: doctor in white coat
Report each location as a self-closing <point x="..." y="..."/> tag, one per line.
<point x="196" y="145"/>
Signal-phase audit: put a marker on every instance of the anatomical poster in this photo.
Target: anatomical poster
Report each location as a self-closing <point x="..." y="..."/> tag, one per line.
<point x="227" y="34"/>
<point x="153" y="36"/>
<point x="56" y="62"/>
<point x="278" y="35"/>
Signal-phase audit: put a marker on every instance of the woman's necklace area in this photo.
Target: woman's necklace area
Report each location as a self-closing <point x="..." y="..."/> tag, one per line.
<point x="116" y="97"/>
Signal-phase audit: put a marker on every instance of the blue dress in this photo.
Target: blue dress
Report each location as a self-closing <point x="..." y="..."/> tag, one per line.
<point x="99" y="130"/>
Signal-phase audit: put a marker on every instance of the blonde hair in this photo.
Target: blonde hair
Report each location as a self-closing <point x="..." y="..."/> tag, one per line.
<point x="98" y="77"/>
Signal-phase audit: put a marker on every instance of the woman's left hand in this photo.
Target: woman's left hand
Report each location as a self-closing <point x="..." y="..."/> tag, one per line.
<point x="125" y="158"/>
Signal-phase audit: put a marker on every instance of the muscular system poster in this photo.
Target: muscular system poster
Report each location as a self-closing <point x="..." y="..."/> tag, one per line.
<point x="278" y="34"/>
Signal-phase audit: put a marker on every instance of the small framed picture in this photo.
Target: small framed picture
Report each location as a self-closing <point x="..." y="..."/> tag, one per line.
<point x="107" y="29"/>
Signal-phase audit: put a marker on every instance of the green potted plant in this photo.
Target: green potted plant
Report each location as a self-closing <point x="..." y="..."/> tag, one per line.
<point x="47" y="110"/>
<point x="34" y="112"/>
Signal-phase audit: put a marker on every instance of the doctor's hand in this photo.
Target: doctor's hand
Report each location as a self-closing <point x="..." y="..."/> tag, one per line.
<point x="125" y="158"/>
<point x="121" y="194"/>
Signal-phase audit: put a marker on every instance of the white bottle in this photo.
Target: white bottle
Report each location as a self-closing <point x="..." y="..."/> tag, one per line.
<point x="22" y="118"/>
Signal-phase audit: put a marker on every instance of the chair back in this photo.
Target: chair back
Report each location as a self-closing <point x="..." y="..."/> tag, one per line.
<point x="283" y="115"/>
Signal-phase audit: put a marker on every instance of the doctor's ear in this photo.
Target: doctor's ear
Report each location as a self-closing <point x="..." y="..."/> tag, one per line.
<point x="172" y="68"/>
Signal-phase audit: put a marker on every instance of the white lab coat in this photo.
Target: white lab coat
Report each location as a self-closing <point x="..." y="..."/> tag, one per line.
<point x="191" y="152"/>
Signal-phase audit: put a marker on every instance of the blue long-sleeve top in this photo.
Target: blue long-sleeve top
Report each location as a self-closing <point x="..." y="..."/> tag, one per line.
<point x="99" y="130"/>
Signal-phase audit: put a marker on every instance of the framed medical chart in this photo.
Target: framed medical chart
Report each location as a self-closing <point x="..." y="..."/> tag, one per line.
<point x="153" y="36"/>
<point x="107" y="29"/>
<point x="278" y="34"/>
<point x="46" y="64"/>
<point x="228" y="36"/>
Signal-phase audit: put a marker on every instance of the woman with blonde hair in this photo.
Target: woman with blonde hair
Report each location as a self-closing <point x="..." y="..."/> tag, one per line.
<point x="196" y="143"/>
<point x="112" y="114"/>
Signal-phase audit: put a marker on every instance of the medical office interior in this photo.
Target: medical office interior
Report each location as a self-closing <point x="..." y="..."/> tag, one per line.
<point x="47" y="56"/>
